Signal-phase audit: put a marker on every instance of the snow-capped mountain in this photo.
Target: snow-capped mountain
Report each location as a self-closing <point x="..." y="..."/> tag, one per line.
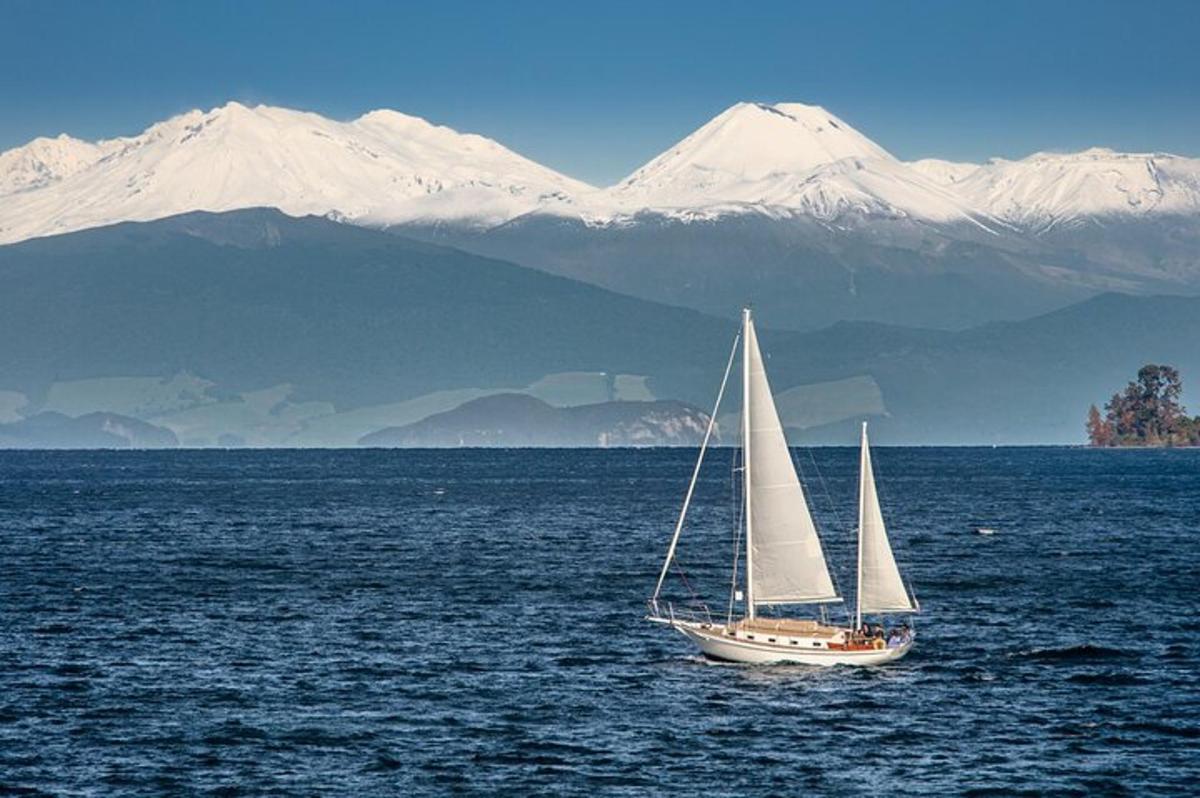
<point x="784" y="159"/>
<point x="747" y="143"/>
<point x="1046" y="190"/>
<point x="781" y="161"/>
<point x="792" y="206"/>
<point x="383" y="167"/>
<point x="44" y="161"/>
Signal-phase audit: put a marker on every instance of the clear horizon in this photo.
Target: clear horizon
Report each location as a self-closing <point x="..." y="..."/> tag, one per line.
<point x="596" y="94"/>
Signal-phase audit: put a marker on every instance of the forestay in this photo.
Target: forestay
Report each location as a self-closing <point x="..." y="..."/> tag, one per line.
<point x="879" y="584"/>
<point x="788" y="563"/>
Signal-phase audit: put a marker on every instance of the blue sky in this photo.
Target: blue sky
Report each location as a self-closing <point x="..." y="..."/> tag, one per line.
<point x="596" y="89"/>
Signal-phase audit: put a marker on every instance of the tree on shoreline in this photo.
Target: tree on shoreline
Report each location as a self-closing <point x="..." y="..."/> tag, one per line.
<point x="1146" y="413"/>
<point x="1100" y="433"/>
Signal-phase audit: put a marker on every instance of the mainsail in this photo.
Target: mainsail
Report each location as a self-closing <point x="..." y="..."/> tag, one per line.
<point x="785" y="563"/>
<point x="880" y="588"/>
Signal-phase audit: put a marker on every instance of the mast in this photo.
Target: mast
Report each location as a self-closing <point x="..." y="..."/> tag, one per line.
<point x="862" y="493"/>
<point x="746" y="322"/>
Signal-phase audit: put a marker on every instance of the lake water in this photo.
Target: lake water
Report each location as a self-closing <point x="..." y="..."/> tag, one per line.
<point x="408" y="622"/>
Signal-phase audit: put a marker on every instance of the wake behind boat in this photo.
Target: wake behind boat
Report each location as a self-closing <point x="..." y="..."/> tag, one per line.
<point x="784" y="564"/>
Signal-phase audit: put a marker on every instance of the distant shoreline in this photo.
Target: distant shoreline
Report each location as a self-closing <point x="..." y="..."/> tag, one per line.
<point x="376" y="449"/>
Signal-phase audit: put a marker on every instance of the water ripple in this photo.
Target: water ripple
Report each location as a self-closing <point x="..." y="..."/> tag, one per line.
<point x="401" y="623"/>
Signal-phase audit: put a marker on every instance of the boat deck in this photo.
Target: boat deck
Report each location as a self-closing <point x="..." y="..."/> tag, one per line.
<point x="787" y="626"/>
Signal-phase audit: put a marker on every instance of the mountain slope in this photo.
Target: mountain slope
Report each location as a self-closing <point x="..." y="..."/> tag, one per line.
<point x="382" y="167"/>
<point x="252" y="300"/>
<point x="750" y="141"/>
<point x="1024" y="382"/>
<point x="1048" y="190"/>
<point x="1133" y="217"/>
<point x="255" y="327"/>
<point x="45" y="161"/>
<point x="801" y="273"/>
<point x="944" y="173"/>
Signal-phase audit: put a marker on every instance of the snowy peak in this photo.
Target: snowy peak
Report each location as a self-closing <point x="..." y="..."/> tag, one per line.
<point x="44" y="161"/>
<point x="786" y="159"/>
<point x="382" y="168"/>
<point x="1047" y="189"/>
<point x="750" y="142"/>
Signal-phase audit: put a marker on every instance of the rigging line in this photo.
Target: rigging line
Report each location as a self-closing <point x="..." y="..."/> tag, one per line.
<point x="824" y="486"/>
<point x="712" y="422"/>
<point x="837" y="518"/>
<point x="686" y="583"/>
<point x="682" y="573"/>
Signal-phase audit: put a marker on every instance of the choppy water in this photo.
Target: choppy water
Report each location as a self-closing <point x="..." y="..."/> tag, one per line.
<point x="373" y="622"/>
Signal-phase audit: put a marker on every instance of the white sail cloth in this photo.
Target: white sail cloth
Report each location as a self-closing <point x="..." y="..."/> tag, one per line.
<point x="880" y="586"/>
<point x="788" y="565"/>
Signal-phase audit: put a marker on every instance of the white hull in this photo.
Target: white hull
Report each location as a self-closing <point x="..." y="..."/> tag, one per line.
<point x="713" y="641"/>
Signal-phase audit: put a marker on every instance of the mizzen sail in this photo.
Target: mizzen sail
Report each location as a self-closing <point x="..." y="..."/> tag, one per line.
<point x="786" y="563"/>
<point x="880" y="588"/>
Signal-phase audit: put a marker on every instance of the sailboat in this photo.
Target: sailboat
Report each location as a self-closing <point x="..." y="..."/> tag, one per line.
<point x="784" y="563"/>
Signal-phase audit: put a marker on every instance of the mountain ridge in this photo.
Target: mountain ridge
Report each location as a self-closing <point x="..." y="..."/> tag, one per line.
<point x="1047" y="189"/>
<point x="383" y="166"/>
<point x="386" y="167"/>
